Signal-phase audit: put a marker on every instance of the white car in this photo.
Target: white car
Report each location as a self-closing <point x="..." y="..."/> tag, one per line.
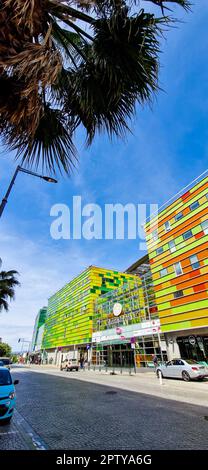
<point x="183" y="369"/>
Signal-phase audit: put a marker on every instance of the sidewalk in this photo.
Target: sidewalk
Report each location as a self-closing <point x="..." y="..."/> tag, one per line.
<point x="195" y="393"/>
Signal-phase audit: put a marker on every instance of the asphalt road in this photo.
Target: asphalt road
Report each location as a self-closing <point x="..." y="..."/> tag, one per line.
<point x="62" y="413"/>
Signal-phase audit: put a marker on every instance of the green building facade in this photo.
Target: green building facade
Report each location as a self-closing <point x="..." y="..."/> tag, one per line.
<point x="38" y="329"/>
<point x="69" y="321"/>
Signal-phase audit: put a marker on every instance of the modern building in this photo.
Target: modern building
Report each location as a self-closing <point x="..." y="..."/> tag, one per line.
<point x="126" y="327"/>
<point x="69" y="324"/>
<point x="38" y="330"/>
<point x="177" y="241"/>
<point x="124" y="336"/>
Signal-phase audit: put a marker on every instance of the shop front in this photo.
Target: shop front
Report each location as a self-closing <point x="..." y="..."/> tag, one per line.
<point x="129" y="346"/>
<point x="194" y="347"/>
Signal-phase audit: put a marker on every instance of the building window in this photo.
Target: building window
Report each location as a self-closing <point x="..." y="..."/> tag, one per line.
<point x="205" y="226"/>
<point x="163" y="272"/>
<point x="167" y="226"/>
<point x="178" y="269"/>
<point x="194" y="205"/>
<point x="187" y="235"/>
<point x="159" y="250"/>
<point x="194" y="262"/>
<point x="177" y="294"/>
<point x="172" y="246"/>
<point x="178" y="216"/>
<point x="155" y="235"/>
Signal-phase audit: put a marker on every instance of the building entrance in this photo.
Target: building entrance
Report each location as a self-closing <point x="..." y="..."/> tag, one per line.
<point x="194" y="347"/>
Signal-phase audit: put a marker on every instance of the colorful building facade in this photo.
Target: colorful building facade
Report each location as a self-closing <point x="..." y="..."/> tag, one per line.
<point x="69" y="324"/>
<point x="177" y="242"/>
<point x="39" y="329"/>
<point x="125" y="333"/>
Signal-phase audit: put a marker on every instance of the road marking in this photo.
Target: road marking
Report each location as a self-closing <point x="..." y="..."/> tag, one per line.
<point x="8" y="432"/>
<point x="30" y="437"/>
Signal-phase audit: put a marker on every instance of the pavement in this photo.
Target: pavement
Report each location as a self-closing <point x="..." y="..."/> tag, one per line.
<point x="89" y="410"/>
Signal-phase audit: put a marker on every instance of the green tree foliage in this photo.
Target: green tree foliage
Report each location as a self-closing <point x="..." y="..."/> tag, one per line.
<point x="5" y="350"/>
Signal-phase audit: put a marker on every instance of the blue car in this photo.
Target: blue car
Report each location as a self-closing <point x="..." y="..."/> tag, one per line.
<point x="7" y="395"/>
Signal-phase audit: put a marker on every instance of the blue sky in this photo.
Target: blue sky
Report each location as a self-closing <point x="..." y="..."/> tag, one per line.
<point x="168" y="149"/>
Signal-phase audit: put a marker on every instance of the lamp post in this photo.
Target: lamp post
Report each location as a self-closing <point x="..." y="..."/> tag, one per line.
<point x="23" y="170"/>
<point x="23" y="341"/>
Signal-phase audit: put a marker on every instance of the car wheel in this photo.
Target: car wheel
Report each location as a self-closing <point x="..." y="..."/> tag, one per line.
<point x="158" y="373"/>
<point x="200" y="379"/>
<point x="77" y="369"/>
<point x="185" y="376"/>
<point x="6" y="420"/>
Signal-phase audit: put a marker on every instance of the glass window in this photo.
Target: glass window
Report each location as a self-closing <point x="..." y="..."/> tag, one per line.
<point x="194" y="262"/>
<point x="177" y="294"/>
<point x="178" y="269"/>
<point x="5" y="377"/>
<point x="187" y="235"/>
<point x="159" y="250"/>
<point x="167" y="226"/>
<point x="172" y="246"/>
<point x="194" y="205"/>
<point x="178" y="362"/>
<point x="163" y="272"/>
<point x="155" y="235"/>
<point x="178" y="216"/>
<point x="205" y="226"/>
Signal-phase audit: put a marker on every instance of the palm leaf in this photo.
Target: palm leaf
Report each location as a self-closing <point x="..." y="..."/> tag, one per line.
<point x="92" y="61"/>
<point x="51" y="147"/>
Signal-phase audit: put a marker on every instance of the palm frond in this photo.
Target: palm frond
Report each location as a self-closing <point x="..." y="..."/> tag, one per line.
<point x="186" y="4"/>
<point x="51" y="146"/>
<point x="91" y="60"/>
<point x="8" y="281"/>
<point x="122" y="68"/>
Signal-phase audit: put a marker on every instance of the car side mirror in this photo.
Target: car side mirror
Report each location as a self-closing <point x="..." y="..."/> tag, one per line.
<point x="16" y="382"/>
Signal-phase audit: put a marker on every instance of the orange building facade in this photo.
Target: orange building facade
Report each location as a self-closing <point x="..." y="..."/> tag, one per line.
<point x="177" y="241"/>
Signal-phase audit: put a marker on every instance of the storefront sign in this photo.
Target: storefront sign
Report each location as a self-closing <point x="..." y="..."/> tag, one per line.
<point x="192" y="340"/>
<point x="119" y="331"/>
<point x="117" y="309"/>
<point x="128" y="332"/>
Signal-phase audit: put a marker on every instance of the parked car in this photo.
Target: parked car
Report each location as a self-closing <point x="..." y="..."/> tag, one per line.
<point x="186" y="369"/>
<point x="5" y="361"/>
<point x="7" y="395"/>
<point x="69" y="365"/>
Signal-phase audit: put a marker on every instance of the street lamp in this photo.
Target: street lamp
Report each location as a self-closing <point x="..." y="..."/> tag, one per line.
<point x="23" y="170"/>
<point x="23" y="341"/>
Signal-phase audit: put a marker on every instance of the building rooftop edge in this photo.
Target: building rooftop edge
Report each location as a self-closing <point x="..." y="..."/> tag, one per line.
<point x="176" y="196"/>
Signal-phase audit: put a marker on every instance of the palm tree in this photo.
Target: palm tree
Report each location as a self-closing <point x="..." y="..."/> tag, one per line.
<point x="65" y="63"/>
<point x="8" y="282"/>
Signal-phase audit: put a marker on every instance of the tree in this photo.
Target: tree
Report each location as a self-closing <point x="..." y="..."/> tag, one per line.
<point x="65" y="63"/>
<point x="8" y="282"/>
<point x="5" y="350"/>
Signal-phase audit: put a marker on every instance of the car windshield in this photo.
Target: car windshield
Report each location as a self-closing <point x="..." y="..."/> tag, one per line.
<point x="5" y="377"/>
<point x="5" y="361"/>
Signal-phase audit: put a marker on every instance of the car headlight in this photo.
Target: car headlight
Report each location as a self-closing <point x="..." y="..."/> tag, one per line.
<point x="12" y="395"/>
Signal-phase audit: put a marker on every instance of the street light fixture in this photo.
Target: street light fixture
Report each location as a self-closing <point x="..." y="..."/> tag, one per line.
<point x="23" y="170"/>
